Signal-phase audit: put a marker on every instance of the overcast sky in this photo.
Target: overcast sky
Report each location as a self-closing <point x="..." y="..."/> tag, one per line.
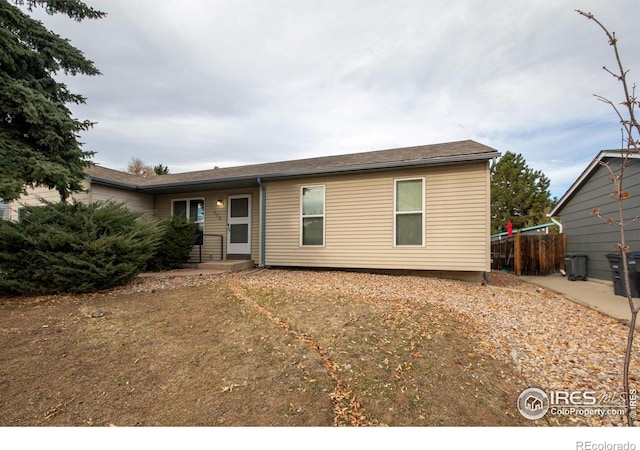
<point x="203" y="83"/>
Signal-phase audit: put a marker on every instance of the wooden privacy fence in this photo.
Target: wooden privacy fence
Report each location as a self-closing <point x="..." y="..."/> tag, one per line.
<point x="533" y="254"/>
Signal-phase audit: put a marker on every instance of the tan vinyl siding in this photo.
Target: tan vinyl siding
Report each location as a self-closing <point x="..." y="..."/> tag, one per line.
<point x="35" y="196"/>
<point x="359" y="215"/>
<point x="134" y="201"/>
<point x="215" y="220"/>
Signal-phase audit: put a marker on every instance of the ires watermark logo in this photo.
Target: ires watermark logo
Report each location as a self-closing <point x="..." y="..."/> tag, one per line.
<point x="534" y="403"/>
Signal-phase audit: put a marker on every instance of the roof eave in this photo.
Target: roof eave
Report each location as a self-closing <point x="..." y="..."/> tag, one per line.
<point x="251" y="180"/>
<point x="585" y="175"/>
<point x="385" y="166"/>
<point x="113" y="183"/>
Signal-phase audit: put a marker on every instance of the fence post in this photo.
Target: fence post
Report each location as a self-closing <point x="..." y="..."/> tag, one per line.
<point x="517" y="255"/>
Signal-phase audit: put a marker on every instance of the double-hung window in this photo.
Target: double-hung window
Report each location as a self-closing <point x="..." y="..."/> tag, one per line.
<point x="409" y="212"/>
<point x="312" y="215"/>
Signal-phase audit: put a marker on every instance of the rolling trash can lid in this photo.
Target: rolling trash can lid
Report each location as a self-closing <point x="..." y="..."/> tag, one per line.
<point x="616" y="256"/>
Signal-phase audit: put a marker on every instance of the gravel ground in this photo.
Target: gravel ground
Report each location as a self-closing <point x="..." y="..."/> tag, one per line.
<point x="551" y="342"/>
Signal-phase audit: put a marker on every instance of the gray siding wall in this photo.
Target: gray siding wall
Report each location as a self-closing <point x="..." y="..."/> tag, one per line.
<point x="588" y="234"/>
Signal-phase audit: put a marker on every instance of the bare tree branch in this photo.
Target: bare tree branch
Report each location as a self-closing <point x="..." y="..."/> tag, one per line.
<point x="630" y="126"/>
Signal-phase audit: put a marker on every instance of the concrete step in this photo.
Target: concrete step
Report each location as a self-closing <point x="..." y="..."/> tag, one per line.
<point x="228" y="265"/>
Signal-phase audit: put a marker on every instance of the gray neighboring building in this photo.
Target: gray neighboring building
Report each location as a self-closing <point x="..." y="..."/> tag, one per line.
<point x="587" y="234"/>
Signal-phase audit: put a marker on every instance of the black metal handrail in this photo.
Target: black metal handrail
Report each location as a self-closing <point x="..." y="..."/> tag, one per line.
<point x="199" y="241"/>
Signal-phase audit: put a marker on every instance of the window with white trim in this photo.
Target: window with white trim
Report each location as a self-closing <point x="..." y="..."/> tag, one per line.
<point x="191" y="209"/>
<point x="312" y="215"/>
<point x="409" y="212"/>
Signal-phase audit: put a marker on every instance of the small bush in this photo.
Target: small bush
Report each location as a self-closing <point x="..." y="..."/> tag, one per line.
<point x="175" y="244"/>
<point x="74" y="247"/>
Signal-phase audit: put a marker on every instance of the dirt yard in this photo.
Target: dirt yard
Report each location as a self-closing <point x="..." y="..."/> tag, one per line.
<point x="288" y="348"/>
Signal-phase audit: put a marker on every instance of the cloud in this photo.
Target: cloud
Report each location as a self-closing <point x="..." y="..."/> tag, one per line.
<point x="192" y="84"/>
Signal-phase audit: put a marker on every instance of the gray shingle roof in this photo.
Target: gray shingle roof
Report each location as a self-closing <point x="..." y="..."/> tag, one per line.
<point x="113" y="177"/>
<point x="423" y="155"/>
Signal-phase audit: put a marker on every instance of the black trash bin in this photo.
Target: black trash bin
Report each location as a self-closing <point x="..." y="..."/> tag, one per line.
<point x="617" y="274"/>
<point x="576" y="266"/>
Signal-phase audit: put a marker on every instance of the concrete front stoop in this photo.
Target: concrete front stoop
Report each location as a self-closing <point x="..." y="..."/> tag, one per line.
<point x="206" y="268"/>
<point x="229" y="265"/>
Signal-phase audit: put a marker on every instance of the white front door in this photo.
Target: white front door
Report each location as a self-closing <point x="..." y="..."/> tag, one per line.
<point x="239" y="225"/>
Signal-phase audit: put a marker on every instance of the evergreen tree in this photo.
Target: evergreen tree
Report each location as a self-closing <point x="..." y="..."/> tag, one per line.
<point x="38" y="136"/>
<point x="161" y="169"/>
<point x="519" y="194"/>
<point x="74" y="247"/>
<point x="175" y="246"/>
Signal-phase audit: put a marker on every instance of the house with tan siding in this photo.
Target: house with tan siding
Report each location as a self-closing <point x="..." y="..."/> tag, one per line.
<point x="115" y="185"/>
<point x="423" y="208"/>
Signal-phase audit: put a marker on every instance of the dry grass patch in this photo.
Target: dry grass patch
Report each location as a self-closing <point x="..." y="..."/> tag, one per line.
<point x="404" y="363"/>
<point x="239" y="351"/>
